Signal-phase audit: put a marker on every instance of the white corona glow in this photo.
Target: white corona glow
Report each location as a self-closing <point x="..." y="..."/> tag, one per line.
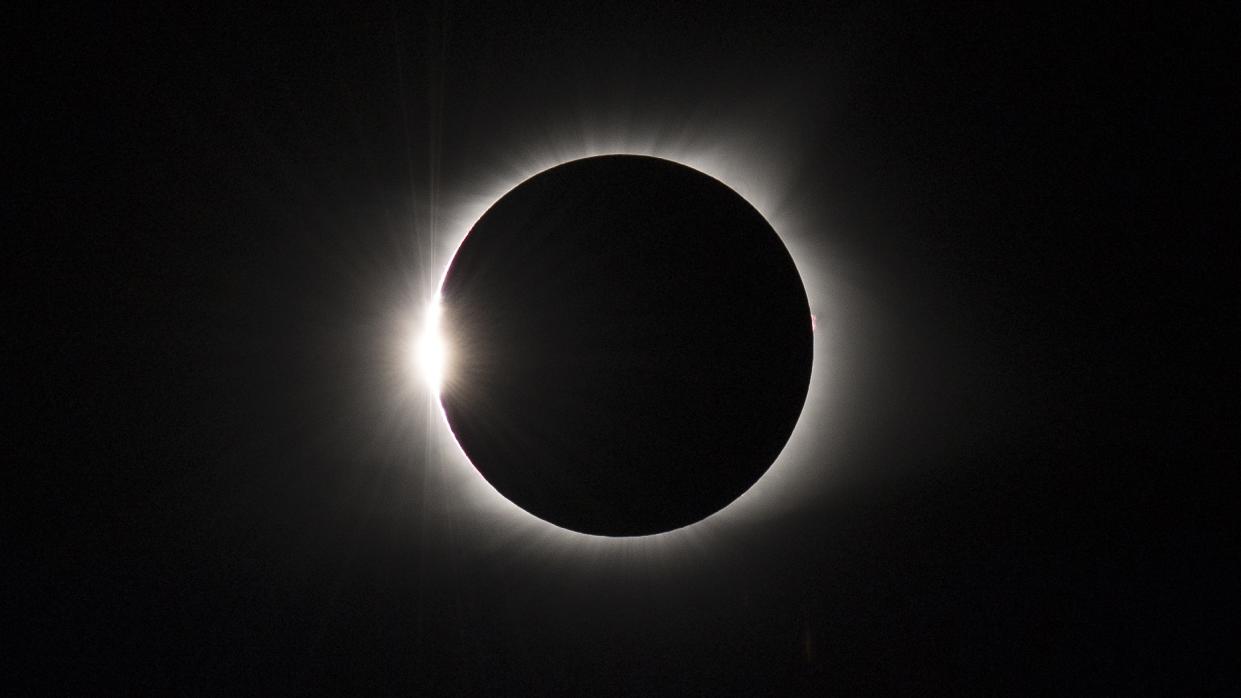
<point x="431" y="349"/>
<point x="760" y="170"/>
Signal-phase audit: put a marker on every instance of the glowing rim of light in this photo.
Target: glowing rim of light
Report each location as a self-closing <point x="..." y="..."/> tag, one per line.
<point x="781" y="486"/>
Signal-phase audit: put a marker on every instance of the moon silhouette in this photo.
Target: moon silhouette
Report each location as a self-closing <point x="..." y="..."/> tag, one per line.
<point x="632" y="345"/>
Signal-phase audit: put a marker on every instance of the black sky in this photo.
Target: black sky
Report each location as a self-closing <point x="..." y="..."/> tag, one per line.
<point x="219" y="217"/>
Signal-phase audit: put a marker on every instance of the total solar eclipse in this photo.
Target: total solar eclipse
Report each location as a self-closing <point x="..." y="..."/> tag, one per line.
<point x="631" y="345"/>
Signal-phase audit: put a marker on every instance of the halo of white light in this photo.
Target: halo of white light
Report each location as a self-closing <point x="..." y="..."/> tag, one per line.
<point x="803" y="462"/>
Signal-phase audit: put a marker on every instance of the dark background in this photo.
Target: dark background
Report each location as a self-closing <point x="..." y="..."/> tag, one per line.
<point x="216" y="223"/>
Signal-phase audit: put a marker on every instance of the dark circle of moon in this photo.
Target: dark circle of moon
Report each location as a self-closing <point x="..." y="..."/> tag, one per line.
<point x="631" y="345"/>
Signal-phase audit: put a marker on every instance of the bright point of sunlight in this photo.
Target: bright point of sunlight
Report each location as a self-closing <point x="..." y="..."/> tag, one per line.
<point x="430" y="349"/>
